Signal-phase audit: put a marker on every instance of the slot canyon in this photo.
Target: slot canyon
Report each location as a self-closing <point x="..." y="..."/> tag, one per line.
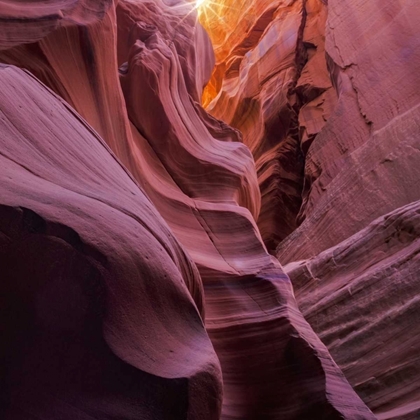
<point x="209" y="210"/>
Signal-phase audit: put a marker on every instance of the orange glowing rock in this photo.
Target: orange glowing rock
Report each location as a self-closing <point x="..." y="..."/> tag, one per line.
<point x="234" y="27"/>
<point x="271" y="82"/>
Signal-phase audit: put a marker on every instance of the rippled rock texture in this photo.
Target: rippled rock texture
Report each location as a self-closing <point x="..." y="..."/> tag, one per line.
<point x="365" y="162"/>
<point x="100" y="305"/>
<point x="276" y="89"/>
<point x="326" y="96"/>
<point x="108" y="259"/>
<point x="138" y="222"/>
<point x="361" y="297"/>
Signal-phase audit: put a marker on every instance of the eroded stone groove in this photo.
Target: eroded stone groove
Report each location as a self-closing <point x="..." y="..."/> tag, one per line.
<point x="358" y="118"/>
<point x="279" y="96"/>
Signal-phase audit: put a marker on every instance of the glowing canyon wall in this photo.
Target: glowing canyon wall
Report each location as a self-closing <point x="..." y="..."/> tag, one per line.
<point x="141" y="208"/>
<point x="326" y="96"/>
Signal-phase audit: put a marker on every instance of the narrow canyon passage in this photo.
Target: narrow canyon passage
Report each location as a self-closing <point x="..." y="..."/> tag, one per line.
<point x="325" y="95"/>
<point x="160" y="160"/>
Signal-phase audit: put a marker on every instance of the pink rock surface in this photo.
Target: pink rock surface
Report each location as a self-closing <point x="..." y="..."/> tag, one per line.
<point x="26" y="21"/>
<point x="251" y="316"/>
<point x="98" y="313"/>
<point x="341" y="79"/>
<point x="84" y="76"/>
<point x="203" y="183"/>
<point x="365" y="161"/>
<point x="361" y="297"/>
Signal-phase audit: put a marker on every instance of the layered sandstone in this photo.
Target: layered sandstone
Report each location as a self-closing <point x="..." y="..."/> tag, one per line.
<point x="365" y="162"/>
<point x="277" y="91"/>
<point x="173" y="249"/>
<point x="139" y="212"/>
<point x="24" y="21"/>
<point x="361" y="297"/>
<point x="100" y="305"/>
<point x="340" y="79"/>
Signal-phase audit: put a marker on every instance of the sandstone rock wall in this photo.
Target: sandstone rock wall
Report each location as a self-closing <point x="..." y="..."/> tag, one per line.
<point x="361" y="297"/>
<point x="277" y="91"/>
<point x="168" y="214"/>
<point x="100" y="305"/>
<point x="365" y="161"/>
<point x="326" y="96"/>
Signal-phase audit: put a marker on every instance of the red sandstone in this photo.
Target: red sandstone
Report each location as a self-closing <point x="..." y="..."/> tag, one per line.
<point x="138" y="223"/>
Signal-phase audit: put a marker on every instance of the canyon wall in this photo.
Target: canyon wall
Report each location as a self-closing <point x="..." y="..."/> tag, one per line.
<point x="326" y="96"/>
<point x="364" y="163"/>
<point x="100" y="305"/>
<point x="276" y="89"/>
<point x="151" y="168"/>
<point x="136" y="276"/>
<point x="361" y="296"/>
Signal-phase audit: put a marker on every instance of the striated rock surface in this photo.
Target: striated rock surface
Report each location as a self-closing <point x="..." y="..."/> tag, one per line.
<point x="74" y="62"/>
<point x="356" y="278"/>
<point x="361" y="297"/>
<point x="100" y="305"/>
<point x="274" y="79"/>
<point x="276" y="89"/>
<point x="365" y="161"/>
<point x="325" y="94"/>
<point x="147" y="354"/>
<point x="249" y="305"/>
<point x="139" y="212"/>
<point x="24" y="22"/>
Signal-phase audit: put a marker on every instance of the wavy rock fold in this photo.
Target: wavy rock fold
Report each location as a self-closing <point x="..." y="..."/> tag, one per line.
<point x="150" y="169"/>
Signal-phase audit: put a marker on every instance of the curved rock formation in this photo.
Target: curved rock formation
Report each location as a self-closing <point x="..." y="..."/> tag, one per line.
<point x="249" y="306"/>
<point x="365" y="161"/>
<point x="361" y="297"/>
<point x="276" y="89"/>
<point x="273" y="364"/>
<point x="137" y="274"/>
<point x="100" y="305"/>
<point x="203" y="182"/>
<point x="23" y="21"/>
<point x="341" y="81"/>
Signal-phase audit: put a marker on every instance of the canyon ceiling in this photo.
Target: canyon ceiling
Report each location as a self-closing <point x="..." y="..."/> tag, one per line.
<point x="209" y="212"/>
